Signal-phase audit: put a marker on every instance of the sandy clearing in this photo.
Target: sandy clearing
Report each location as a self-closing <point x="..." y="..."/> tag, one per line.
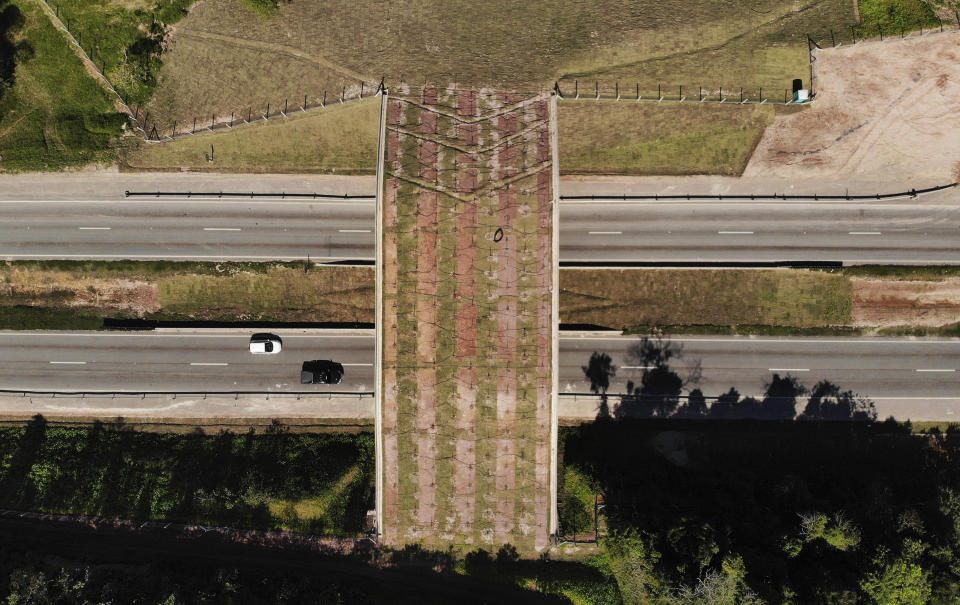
<point x="884" y="303"/>
<point x="888" y="111"/>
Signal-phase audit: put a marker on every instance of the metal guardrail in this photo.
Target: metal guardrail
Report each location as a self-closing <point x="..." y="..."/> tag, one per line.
<point x="249" y="194"/>
<point x="174" y="394"/>
<point x="752" y="196"/>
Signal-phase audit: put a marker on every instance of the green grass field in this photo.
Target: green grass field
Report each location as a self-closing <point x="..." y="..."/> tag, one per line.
<point x="338" y="138"/>
<point x="606" y="137"/>
<point x="54" y="115"/>
<point x="704" y="298"/>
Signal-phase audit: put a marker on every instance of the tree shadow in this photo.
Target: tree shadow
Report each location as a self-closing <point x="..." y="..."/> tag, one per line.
<point x="11" y="53"/>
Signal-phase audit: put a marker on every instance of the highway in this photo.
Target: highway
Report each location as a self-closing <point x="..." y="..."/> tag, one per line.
<point x="79" y="223"/>
<point x="908" y="378"/>
<point x="646" y="232"/>
<point x="182" y="361"/>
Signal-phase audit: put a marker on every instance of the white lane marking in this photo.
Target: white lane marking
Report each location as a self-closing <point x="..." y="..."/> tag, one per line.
<point x="788" y="369"/>
<point x="734" y="232"/>
<point x="79" y="363"/>
<point x="356" y="364"/>
<point x="356" y="231"/>
<point x="222" y="229"/>
<point x="637" y="367"/>
<point x="194" y="363"/>
<point x="935" y="370"/>
<point x="94" y="228"/>
<point x="866" y="233"/>
<point x="605" y="232"/>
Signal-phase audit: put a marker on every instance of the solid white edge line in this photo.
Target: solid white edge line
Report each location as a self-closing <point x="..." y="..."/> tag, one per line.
<point x="355" y="230"/>
<point x="200" y="363"/>
<point x="79" y="363"/>
<point x="226" y="257"/>
<point x="864" y="233"/>
<point x="734" y="232"/>
<point x="604" y="232"/>
<point x="753" y="339"/>
<point x="357" y="364"/>
<point x="222" y="229"/>
<point x="935" y="370"/>
<point x="94" y="228"/>
<point x="788" y="369"/>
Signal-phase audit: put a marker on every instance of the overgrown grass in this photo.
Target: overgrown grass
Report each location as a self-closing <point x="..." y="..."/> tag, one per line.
<point x="645" y="138"/>
<point x="339" y="138"/>
<point x="54" y="115"/>
<point x="893" y="16"/>
<point x="523" y="46"/>
<point x="227" y="479"/>
<point x="78" y="295"/>
<point x="900" y="272"/>
<point x="624" y="298"/>
<point x="123" y="39"/>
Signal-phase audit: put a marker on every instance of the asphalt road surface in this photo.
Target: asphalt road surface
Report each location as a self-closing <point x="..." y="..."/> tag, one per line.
<point x="194" y="361"/>
<point x="908" y="378"/>
<point x="644" y="232"/>
<point x="916" y="378"/>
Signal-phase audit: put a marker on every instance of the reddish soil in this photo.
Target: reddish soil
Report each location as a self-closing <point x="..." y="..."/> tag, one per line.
<point x="886" y="110"/>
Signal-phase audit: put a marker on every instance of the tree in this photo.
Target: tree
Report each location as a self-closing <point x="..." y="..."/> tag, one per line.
<point x="899" y="583"/>
<point x="828" y="402"/>
<point x="599" y="370"/>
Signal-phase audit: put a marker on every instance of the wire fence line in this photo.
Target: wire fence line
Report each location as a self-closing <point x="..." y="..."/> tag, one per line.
<point x="911" y="193"/>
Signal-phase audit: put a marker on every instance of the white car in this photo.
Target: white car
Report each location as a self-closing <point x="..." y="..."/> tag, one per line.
<point x="265" y="344"/>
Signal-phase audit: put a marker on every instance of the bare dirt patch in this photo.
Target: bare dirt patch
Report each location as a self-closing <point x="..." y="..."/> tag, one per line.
<point x="884" y="303"/>
<point x="885" y="110"/>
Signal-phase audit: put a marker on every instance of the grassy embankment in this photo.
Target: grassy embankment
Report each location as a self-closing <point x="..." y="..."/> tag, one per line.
<point x="79" y="294"/>
<point x="851" y="301"/>
<point x="338" y="139"/>
<point x="53" y="114"/>
<point x="308" y="483"/>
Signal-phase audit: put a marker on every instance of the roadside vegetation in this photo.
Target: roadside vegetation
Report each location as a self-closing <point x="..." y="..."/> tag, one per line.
<point x="53" y="114"/>
<point x="606" y="137"/>
<point x="320" y="484"/>
<point x="80" y="294"/>
<point x="890" y="300"/>
<point x="337" y="139"/>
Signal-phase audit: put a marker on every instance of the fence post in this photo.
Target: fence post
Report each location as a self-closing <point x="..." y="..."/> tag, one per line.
<point x="231" y="119"/>
<point x="880" y="29"/>
<point x="304" y="106"/>
<point x="741" y="95"/>
<point x="761" y="94"/>
<point x="192" y="130"/>
<point x="659" y="94"/>
<point x="721" y="94"/>
<point x="638" y="91"/>
<point x="266" y="116"/>
<point x="701" y="94"/>
<point x="361" y="89"/>
<point x="901" y="31"/>
<point x="323" y="102"/>
<point x="249" y="114"/>
<point x="618" y="90"/>
<point x="576" y="89"/>
<point x="853" y="32"/>
<point x="785" y="97"/>
<point x="213" y="120"/>
<point x="940" y="21"/>
<point x="681" y="93"/>
<point x="343" y="92"/>
<point x="285" y="108"/>
<point x="833" y="40"/>
<point x="174" y="129"/>
<point x="596" y="84"/>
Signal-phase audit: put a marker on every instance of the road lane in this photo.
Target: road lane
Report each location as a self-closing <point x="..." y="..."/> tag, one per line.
<point x="876" y="367"/>
<point x="177" y="361"/>
<point x="643" y="232"/>
<point x="188" y="229"/>
<point x="907" y="377"/>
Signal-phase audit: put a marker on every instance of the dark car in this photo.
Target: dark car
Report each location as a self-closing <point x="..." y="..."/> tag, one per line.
<point x="321" y="371"/>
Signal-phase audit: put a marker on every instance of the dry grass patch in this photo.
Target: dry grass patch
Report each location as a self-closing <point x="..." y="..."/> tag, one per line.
<point x="603" y="137"/>
<point x="338" y="138"/>
<point x="224" y="58"/>
<point x="45" y="295"/>
<point x="624" y="298"/>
